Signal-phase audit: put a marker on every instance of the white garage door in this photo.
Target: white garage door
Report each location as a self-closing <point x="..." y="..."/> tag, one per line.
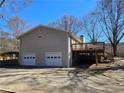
<point x="29" y="59"/>
<point x="53" y="58"/>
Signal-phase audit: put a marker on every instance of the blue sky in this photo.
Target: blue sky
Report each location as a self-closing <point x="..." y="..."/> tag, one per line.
<point x="43" y="11"/>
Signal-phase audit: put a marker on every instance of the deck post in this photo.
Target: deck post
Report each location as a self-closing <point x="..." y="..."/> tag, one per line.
<point x="76" y="57"/>
<point x="96" y="56"/>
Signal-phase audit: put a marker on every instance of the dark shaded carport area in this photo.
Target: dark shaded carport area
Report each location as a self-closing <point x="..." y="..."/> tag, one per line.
<point x="9" y="58"/>
<point x="83" y="59"/>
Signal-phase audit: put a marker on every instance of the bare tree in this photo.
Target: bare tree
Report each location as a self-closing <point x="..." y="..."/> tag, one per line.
<point x="8" y="8"/>
<point x="17" y="25"/>
<point x="1" y="2"/>
<point x="14" y="4"/>
<point x="112" y="21"/>
<point x="4" y="38"/>
<point x="91" y="27"/>
<point x="67" y="23"/>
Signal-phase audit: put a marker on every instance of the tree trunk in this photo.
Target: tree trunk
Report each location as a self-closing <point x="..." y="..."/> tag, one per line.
<point x="114" y="50"/>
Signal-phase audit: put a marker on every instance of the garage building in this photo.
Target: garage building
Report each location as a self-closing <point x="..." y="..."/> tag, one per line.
<point x="46" y="46"/>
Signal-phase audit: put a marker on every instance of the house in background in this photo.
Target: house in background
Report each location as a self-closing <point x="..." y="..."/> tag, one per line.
<point x="46" y="46"/>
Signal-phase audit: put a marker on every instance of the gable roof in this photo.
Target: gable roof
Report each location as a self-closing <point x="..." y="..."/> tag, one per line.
<point x="72" y="35"/>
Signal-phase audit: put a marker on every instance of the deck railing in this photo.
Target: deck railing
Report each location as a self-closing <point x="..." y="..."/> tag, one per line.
<point x="89" y="46"/>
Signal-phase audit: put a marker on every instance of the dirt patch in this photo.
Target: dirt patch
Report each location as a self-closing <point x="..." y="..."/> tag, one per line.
<point x="63" y="80"/>
<point x="4" y="91"/>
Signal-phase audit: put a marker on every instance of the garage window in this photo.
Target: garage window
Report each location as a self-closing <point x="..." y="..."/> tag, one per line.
<point x="59" y="57"/>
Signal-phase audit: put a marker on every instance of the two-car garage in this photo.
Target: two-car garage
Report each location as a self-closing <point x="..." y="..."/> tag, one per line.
<point x="50" y="58"/>
<point x="45" y="46"/>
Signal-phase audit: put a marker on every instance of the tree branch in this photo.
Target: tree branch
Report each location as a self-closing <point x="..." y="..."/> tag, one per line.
<point x="1" y="3"/>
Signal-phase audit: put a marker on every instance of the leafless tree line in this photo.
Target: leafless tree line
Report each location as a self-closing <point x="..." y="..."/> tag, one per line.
<point x="111" y="14"/>
<point x="107" y="21"/>
<point x="86" y="26"/>
<point x="11" y="26"/>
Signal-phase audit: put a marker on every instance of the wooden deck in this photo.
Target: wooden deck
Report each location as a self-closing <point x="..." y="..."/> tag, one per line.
<point x="96" y="49"/>
<point x="88" y="47"/>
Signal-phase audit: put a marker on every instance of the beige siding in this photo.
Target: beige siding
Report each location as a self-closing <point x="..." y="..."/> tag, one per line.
<point x="45" y="40"/>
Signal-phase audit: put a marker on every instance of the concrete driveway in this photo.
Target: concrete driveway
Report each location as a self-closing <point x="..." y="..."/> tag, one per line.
<point x="62" y="80"/>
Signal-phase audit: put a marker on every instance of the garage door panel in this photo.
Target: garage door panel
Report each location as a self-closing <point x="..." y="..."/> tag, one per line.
<point x="29" y="59"/>
<point x="53" y="58"/>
